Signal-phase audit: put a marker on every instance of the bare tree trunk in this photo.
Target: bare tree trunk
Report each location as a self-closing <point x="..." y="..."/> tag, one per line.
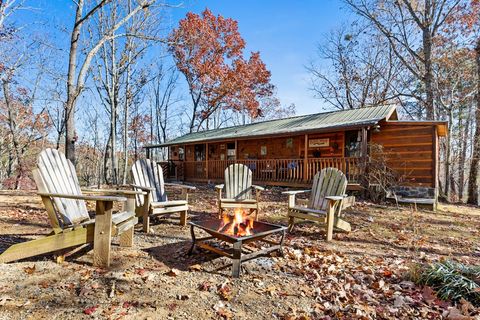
<point x="12" y="127"/>
<point x="427" y="55"/>
<point x="70" y="137"/>
<point x="125" y="124"/>
<point x="463" y="157"/>
<point x="75" y="83"/>
<point x="474" y="167"/>
<point x="448" y="162"/>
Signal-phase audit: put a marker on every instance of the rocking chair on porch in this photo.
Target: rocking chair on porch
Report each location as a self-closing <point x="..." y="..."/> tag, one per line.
<point x="327" y="200"/>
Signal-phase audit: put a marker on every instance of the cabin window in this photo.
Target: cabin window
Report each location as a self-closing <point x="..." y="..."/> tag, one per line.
<point x="352" y="143"/>
<point x="200" y="152"/>
<point x="231" y="152"/>
<point x="181" y="153"/>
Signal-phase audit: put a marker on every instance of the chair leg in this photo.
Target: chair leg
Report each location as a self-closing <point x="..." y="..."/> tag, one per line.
<point x="146" y="221"/>
<point x="51" y="243"/>
<point x="126" y="238"/>
<point x="291" y="223"/>
<point x="103" y="234"/>
<point x="183" y="217"/>
<point x="220" y="211"/>
<point x="330" y="221"/>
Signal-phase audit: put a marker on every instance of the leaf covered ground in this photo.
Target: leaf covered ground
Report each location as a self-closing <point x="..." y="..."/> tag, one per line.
<point x="360" y="275"/>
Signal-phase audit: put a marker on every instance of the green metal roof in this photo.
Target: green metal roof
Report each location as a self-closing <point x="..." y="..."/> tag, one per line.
<point x="312" y="122"/>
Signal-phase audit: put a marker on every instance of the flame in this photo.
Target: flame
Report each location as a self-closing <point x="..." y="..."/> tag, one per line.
<point x="239" y="225"/>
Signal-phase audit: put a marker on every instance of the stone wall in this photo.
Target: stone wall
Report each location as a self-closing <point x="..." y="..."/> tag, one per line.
<point x="415" y="192"/>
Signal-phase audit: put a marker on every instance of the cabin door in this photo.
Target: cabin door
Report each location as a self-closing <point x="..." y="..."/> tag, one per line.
<point x="200" y="157"/>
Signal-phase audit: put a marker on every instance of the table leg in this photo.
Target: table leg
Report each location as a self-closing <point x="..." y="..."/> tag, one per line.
<point x="237" y="259"/>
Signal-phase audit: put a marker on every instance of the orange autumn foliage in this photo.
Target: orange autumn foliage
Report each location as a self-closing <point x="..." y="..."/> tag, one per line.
<point x="208" y="50"/>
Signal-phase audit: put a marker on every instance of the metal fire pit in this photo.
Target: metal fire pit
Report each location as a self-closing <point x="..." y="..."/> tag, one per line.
<point x="238" y="252"/>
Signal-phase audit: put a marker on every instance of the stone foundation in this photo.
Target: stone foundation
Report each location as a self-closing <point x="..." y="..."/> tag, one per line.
<point x="415" y="192"/>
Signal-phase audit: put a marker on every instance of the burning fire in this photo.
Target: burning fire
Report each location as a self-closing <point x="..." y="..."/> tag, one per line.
<point x="239" y="225"/>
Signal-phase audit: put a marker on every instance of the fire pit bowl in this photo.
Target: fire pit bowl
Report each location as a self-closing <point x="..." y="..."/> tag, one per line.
<point x="238" y="252"/>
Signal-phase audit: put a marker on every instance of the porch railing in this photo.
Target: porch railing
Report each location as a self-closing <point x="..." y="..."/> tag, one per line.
<point x="270" y="171"/>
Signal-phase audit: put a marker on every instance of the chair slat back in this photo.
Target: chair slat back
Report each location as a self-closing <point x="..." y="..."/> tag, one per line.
<point x="238" y="182"/>
<point x="327" y="182"/>
<point x="56" y="174"/>
<point x="147" y="173"/>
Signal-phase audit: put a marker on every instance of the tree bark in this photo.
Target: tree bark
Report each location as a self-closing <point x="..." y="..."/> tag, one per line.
<point x="72" y="90"/>
<point x="428" y="77"/>
<point x="463" y="157"/>
<point x="474" y="167"/>
<point x="448" y="157"/>
<point x="13" y="131"/>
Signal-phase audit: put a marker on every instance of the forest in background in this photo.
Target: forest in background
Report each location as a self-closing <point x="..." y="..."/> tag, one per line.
<point x="126" y="77"/>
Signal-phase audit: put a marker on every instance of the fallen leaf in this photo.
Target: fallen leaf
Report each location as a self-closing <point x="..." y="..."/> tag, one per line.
<point x="90" y="310"/>
<point x="225" y="292"/>
<point x="205" y="286"/>
<point x="140" y="271"/>
<point x="29" y="270"/>
<point x="4" y="300"/>
<point x="195" y="267"/>
<point x="399" y="302"/>
<point x="428" y="294"/>
<point x="387" y="273"/>
<point x="173" y="273"/>
<point x="172" y="306"/>
<point x="225" y="313"/>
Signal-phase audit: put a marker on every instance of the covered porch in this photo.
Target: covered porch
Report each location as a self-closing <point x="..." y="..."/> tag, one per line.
<point x="279" y="172"/>
<point x="289" y="161"/>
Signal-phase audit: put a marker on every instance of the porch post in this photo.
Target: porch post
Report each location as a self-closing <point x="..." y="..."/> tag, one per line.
<point x="206" y="160"/>
<point x="364" y="146"/>
<point x="305" y="159"/>
<point x="147" y="151"/>
<point x="236" y="150"/>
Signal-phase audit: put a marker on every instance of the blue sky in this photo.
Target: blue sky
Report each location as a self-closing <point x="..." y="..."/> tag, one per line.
<point x="286" y="33"/>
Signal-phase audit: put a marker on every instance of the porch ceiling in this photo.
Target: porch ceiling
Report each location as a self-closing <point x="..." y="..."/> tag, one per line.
<point x="298" y="124"/>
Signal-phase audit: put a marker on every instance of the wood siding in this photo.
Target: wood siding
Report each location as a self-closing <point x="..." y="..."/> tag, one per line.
<point x="410" y="150"/>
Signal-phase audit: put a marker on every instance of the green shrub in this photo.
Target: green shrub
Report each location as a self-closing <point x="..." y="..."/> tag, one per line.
<point x="451" y="280"/>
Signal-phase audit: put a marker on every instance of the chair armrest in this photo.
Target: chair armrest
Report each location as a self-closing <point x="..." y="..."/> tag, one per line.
<point x="114" y="191"/>
<point x="335" y="198"/>
<point x="142" y="187"/>
<point x="219" y="186"/>
<point x="258" y="187"/>
<point x="183" y="186"/>
<point x="82" y="197"/>
<point x="295" y="191"/>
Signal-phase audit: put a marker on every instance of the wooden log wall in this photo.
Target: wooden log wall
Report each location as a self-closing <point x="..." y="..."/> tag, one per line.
<point x="410" y="150"/>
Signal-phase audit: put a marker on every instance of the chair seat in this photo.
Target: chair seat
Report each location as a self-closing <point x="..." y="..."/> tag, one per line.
<point x="225" y="200"/>
<point x="168" y="203"/>
<point x="117" y="218"/>
<point x="120" y="217"/>
<point x="308" y="210"/>
<point x="234" y="203"/>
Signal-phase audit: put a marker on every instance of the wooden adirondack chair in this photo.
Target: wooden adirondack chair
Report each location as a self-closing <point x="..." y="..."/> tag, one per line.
<point x="327" y="200"/>
<point x="64" y="201"/>
<point x="238" y="190"/>
<point x="148" y="177"/>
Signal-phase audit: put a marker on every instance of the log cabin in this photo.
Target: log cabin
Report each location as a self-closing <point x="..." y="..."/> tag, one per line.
<point x="289" y="152"/>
